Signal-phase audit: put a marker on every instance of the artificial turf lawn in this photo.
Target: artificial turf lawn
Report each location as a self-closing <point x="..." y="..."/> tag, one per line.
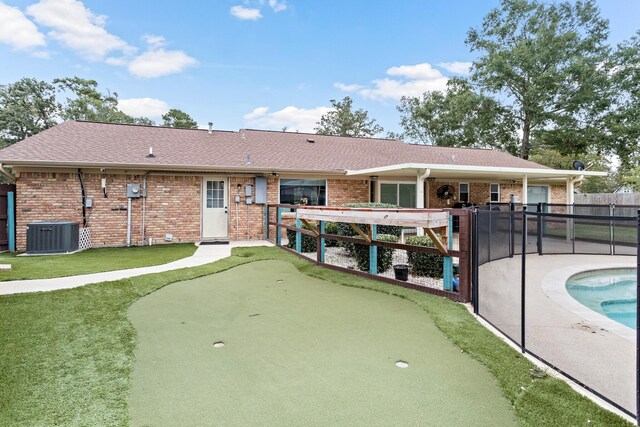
<point x="67" y="356"/>
<point x="299" y="350"/>
<point x="91" y="261"/>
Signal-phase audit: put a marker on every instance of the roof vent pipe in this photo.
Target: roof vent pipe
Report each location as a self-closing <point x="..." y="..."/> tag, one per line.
<point x="210" y="127"/>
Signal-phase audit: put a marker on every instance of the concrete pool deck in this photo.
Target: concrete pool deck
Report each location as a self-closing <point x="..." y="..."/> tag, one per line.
<point x="575" y="341"/>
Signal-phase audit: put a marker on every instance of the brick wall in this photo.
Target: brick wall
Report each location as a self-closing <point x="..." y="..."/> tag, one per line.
<point x="479" y="193"/>
<point x="172" y="206"/>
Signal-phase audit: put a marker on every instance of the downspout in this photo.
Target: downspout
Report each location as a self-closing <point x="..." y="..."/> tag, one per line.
<point x="420" y="194"/>
<point x="11" y="177"/>
<point x="571" y="183"/>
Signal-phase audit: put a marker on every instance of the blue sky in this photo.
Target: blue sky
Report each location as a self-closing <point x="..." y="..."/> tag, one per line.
<point x="253" y="63"/>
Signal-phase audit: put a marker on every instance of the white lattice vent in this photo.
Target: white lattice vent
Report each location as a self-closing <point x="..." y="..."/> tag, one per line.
<point x="85" y="239"/>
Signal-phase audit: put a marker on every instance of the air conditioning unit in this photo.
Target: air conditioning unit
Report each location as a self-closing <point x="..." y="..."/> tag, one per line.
<point x="52" y="237"/>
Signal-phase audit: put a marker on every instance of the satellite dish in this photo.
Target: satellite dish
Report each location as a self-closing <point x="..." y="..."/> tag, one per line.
<point x="578" y="165"/>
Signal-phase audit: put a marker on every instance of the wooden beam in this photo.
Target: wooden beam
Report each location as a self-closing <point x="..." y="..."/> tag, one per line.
<point x="311" y="228"/>
<point x="408" y="218"/>
<point x="436" y="240"/>
<point x="362" y="234"/>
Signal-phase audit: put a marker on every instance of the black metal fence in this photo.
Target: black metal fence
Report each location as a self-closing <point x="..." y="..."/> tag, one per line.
<point x="545" y="276"/>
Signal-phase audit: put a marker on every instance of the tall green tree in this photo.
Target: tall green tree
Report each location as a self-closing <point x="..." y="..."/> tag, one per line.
<point x="87" y="103"/>
<point x="178" y="119"/>
<point x="342" y="120"/>
<point x="27" y="107"/>
<point x="459" y="117"/>
<point x="623" y="120"/>
<point x="546" y="63"/>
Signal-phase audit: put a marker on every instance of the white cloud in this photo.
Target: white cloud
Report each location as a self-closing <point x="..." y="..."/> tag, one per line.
<point x="245" y="13"/>
<point x="154" y="41"/>
<point x="17" y="30"/>
<point x="413" y="80"/>
<point x="347" y="88"/>
<point x="462" y="68"/>
<point x="143" y="107"/>
<point x="277" y="6"/>
<point x="422" y="71"/>
<point x="77" y="28"/>
<point x="294" y="118"/>
<point x="160" y="62"/>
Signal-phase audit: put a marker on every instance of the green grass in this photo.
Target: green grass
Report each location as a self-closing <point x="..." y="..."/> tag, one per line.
<point x="91" y="261"/>
<point x="597" y="232"/>
<point x="291" y="340"/>
<point x="67" y="356"/>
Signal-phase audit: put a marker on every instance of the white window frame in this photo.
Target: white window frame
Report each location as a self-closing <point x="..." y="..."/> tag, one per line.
<point x="379" y="195"/>
<point x="326" y="186"/>
<point x="460" y="184"/>
<point x="491" y="192"/>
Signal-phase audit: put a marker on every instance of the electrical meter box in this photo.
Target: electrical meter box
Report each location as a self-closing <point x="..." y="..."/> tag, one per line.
<point x="133" y="190"/>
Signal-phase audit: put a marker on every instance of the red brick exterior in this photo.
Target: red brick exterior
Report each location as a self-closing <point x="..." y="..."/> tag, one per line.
<point x="479" y="193"/>
<point x="173" y="204"/>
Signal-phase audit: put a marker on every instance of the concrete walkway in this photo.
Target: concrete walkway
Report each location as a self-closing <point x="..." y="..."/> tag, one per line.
<point x="203" y="255"/>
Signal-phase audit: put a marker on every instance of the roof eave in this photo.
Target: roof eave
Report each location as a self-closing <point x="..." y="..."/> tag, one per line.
<point x="165" y="167"/>
<point x="495" y="170"/>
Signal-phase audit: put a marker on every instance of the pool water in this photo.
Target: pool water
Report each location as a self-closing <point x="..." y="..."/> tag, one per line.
<point x="609" y="292"/>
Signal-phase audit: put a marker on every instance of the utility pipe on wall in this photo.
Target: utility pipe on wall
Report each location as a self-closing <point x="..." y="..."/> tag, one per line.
<point x="144" y="199"/>
<point x="128" y="221"/>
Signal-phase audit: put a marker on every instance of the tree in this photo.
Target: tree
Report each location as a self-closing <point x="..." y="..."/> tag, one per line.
<point x="458" y="117"/>
<point x="178" y="119"/>
<point x="623" y="120"/>
<point x="342" y="121"/>
<point x="547" y="62"/>
<point x="593" y="160"/>
<point x="89" y="104"/>
<point x="27" y="107"/>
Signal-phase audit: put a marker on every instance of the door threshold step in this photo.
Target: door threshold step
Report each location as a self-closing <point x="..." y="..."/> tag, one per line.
<point x="215" y="242"/>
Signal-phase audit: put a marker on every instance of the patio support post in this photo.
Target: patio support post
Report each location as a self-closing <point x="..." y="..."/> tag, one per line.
<point x="525" y="190"/>
<point x="298" y="236"/>
<point x="447" y="262"/>
<point x="278" y="231"/>
<point x="373" y="250"/>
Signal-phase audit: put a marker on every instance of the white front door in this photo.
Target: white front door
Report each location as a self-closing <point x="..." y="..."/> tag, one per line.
<point x="215" y="216"/>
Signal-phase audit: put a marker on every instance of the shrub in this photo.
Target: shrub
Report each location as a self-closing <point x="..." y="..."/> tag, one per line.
<point x="331" y="228"/>
<point x="424" y="264"/>
<point x="308" y="242"/>
<point x="385" y="255"/>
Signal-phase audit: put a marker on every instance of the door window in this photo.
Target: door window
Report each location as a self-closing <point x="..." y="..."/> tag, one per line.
<point x="215" y="194"/>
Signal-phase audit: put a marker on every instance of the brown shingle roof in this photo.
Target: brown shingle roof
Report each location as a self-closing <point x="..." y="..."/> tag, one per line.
<point x="92" y="144"/>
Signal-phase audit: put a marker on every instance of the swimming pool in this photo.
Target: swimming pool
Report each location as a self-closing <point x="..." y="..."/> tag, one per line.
<point x="610" y="292"/>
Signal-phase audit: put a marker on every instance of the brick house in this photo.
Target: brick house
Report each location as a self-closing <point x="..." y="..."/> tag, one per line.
<point x="200" y="185"/>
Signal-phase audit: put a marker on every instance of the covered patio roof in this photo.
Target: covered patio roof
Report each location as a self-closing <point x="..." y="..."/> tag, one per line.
<point x="461" y="172"/>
